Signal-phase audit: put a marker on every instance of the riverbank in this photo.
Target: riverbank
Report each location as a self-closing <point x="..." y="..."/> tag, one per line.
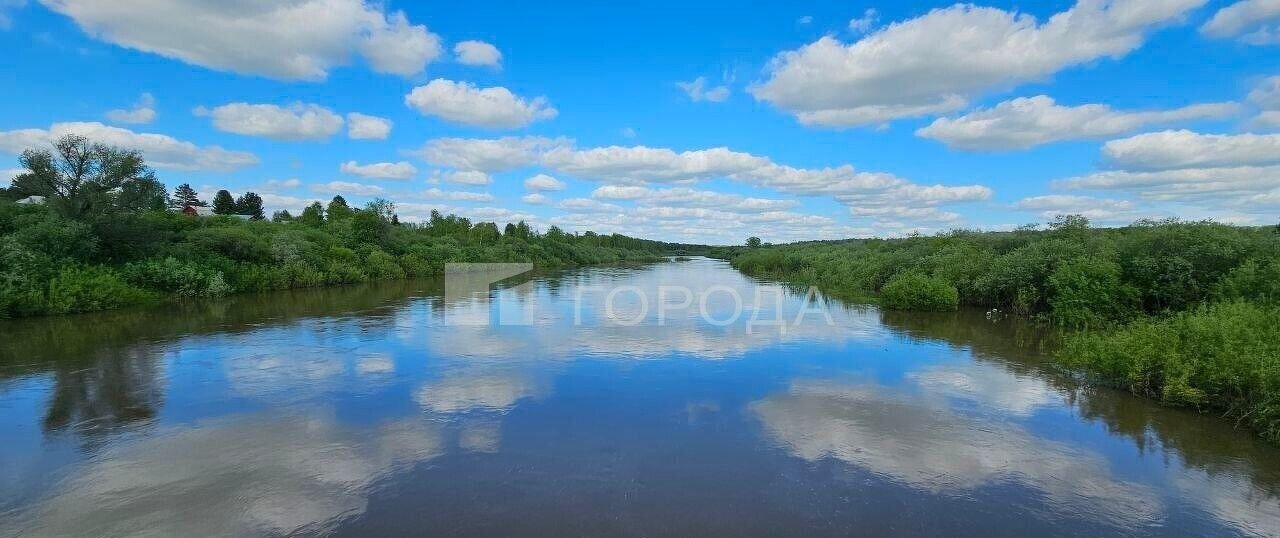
<point x="1183" y="312"/>
<point x="50" y="264"/>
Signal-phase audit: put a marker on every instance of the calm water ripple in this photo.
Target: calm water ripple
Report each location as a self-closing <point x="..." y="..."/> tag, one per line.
<point x="553" y="407"/>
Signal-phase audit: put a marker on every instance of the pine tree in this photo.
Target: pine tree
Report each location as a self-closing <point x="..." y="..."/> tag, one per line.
<point x="250" y="204"/>
<point x="184" y="196"/>
<point x="223" y="203"/>
<point x="338" y="209"/>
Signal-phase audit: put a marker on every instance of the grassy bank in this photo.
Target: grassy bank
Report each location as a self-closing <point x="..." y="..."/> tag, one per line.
<point x="1069" y="274"/>
<point x="99" y="231"/>
<point x="1184" y="312"/>
<point x="52" y="264"/>
<point x="1223" y="357"/>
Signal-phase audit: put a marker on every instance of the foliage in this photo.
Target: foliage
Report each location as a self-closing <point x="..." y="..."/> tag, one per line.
<point x="917" y="291"/>
<point x="1089" y="292"/>
<point x="184" y="196"/>
<point x="1185" y="312"/>
<point x="85" y="289"/>
<point x="108" y="239"/>
<point x="1070" y="274"/>
<point x="250" y="204"/>
<point x="79" y="178"/>
<point x="123" y="258"/>
<point x="182" y="279"/>
<point x="313" y="215"/>
<point x="338" y="209"/>
<point x="1255" y="280"/>
<point x="224" y="203"/>
<point x="1223" y="357"/>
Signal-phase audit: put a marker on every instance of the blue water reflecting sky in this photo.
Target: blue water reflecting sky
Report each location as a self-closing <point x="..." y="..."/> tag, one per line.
<point x="376" y="412"/>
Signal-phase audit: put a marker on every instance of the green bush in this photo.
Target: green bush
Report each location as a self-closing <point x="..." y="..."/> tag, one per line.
<point x="1255" y="280"/>
<point x="182" y="279"/>
<point x="916" y="291"/>
<point x="1071" y="274"/>
<point x="1224" y="357"/>
<point x="382" y="266"/>
<point x="341" y="272"/>
<point x="86" y="289"/>
<point x="57" y="238"/>
<point x="1088" y="292"/>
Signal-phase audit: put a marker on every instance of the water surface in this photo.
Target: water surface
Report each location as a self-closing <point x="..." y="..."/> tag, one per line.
<point x="548" y="407"/>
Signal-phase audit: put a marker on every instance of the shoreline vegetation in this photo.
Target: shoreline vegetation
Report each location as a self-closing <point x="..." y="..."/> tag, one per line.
<point x="1187" y="313"/>
<point x="104" y="233"/>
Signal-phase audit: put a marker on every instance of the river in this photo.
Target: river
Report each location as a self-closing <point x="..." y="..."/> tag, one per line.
<point x="674" y="399"/>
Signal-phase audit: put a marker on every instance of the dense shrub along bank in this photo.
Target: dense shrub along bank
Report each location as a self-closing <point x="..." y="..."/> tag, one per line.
<point x="1069" y="273"/>
<point x="1184" y="312"/>
<point x="99" y="231"/>
<point x="1223" y="357"/>
<point x="52" y="264"/>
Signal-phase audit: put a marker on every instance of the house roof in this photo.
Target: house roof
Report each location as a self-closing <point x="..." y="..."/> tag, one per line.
<point x="32" y="200"/>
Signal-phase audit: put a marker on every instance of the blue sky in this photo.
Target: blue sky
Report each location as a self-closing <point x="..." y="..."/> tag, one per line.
<point x="706" y="121"/>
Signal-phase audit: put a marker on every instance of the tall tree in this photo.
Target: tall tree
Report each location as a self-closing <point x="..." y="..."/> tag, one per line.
<point x="281" y="216"/>
<point x="313" y="215"/>
<point x="250" y="204"/>
<point x="184" y="196"/>
<point x="79" y="177"/>
<point x="338" y="209"/>
<point x="143" y="194"/>
<point x="223" y="203"/>
<point x="382" y="207"/>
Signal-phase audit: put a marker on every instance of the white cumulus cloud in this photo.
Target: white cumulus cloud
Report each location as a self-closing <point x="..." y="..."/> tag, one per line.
<point x="697" y="90"/>
<point x="1104" y="210"/>
<point x="397" y="170"/>
<point x="686" y="197"/>
<point x="934" y="63"/>
<point x="1255" y="22"/>
<point x="160" y="151"/>
<point x="467" y="177"/>
<point x="543" y="182"/>
<point x="296" y="122"/>
<point x="478" y="53"/>
<point x="143" y="111"/>
<point x="457" y="196"/>
<point x="488" y="154"/>
<point x="1167" y="150"/>
<point x="866" y="22"/>
<point x="347" y="187"/>
<point x="1266" y="97"/>
<point x="282" y="39"/>
<point x="366" y="127"/>
<point x="1231" y="177"/>
<point x="628" y="172"/>
<point x="463" y="102"/>
<point x="1030" y="121"/>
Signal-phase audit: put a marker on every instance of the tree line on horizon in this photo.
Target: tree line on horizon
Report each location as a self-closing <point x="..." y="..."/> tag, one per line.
<point x="109" y="235"/>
